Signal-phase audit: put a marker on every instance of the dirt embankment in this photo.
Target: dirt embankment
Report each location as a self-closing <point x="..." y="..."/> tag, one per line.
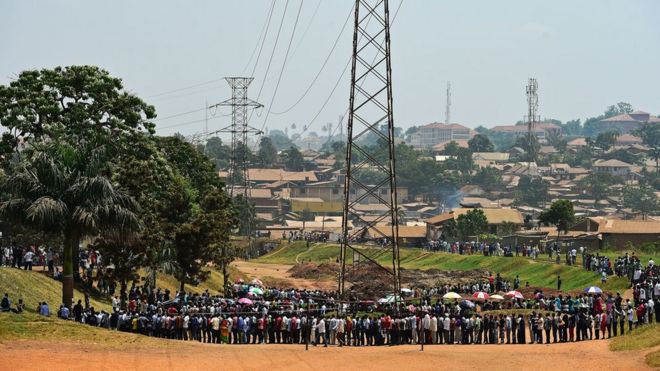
<point x="589" y="355"/>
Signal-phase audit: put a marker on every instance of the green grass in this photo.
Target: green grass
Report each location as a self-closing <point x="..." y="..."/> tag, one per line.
<point x="213" y="283"/>
<point x="653" y="359"/>
<point x="33" y="287"/>
<point x="31" y="326"/>
<point x="645" y="337"/>
<point x="640" y="338"/>
<point x="540" y="273"/>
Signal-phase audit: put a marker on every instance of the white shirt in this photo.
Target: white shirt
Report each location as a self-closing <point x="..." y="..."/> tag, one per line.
<point x="28" y="257"/>
<point x="320" y="327"/>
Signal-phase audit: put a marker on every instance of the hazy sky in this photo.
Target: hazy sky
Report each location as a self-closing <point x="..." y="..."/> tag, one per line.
<point x="585" y="55"/>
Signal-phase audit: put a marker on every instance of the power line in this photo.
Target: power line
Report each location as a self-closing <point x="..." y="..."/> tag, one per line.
<point x="325" y="63"/>
<point x="270" y="60"/>
<point x="309" y="25"/>
<point x="179" y="114"/>
<point x="183" y="88"/>
<point x="192" y="122"/>
<point x="263" y="34"/>
<point x="286" y="56"/>
<point x="306" y="127"/>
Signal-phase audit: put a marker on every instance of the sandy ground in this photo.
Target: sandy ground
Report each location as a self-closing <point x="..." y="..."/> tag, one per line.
<point x="279" y="271"/>
<point x="589" y="355"/>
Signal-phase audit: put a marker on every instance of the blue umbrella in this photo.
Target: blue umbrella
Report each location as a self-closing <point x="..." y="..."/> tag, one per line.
<point x="593" y="290"/>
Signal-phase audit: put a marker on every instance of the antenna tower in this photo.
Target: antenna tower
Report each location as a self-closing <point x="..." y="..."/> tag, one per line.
<point x="370" y="114"/>
<point x="448" y="106"/>
<point x="532" y="119"/>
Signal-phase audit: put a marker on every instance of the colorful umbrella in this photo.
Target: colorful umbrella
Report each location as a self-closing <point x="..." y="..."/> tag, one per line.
<point x="593" y="290"/>
<point x="245" y="301"/>
<point x="467" y="303"/>
<point x="480" y="296"/>
<point x="451" y="295"/>
<point x="256" y="291"/>
<point x="514" y="294"/>
<point x="496" y="297"/>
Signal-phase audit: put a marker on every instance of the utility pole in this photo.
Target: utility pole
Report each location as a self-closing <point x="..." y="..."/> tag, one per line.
<point x="370" y="106"/>
<point x="532" y="119"/>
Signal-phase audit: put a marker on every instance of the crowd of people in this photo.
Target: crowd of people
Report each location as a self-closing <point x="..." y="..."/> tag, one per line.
<point x="252" y="314"/>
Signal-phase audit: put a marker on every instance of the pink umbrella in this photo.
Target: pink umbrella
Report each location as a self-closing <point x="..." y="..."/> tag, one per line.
<point x="514" y="294"/>
<point x="480" y="296"/>
<point x="245" y="301"/>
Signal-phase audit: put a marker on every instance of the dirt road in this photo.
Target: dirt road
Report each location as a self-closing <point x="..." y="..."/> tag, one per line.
<point x="280" y="272"/>
<point x="589" y="355"/>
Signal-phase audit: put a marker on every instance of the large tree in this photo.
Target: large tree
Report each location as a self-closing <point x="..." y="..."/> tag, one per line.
<point x="78" y="105"/>
<point x="267" y="154"/>
<point x="650" y="134"/>
<point x="293" y="159"/>
<point x="471" y="223"/>
<point x="531" y="190"/>
<point x="560" y="214"/>
<point x="480" y="143"/>
<point x="60" y="190"/>
<point x="641" y="199"/>
<point x="598" y="185"/>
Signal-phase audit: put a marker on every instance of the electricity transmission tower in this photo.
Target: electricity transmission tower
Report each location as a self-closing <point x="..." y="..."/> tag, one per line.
<point x="238" y="179"/>
<point x="532" y="119"/>
<point x="370" y="115"/>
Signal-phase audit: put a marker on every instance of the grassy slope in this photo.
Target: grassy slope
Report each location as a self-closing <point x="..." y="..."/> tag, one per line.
<point x="31" y="326"/>
<point x="540" y="273"/>
<point x="640" y="338"/>
<point x="213" y="283"/>
<point x="645" y="337"/>
<point x="34" y="287"/>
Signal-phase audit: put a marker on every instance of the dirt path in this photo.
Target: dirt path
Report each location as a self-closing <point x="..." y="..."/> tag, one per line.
<point x="589" y="355"/>
<point x="280" y="272"/>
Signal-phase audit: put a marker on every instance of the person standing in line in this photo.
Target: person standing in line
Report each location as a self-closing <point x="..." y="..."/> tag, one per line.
<point x="320" y="330"/>
<point x="340" y="331"/>
<point x="27" y="260"/>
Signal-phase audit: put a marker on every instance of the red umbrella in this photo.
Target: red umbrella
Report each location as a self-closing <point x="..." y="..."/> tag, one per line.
<point x="514" y="294"/>
<point x="480" y="296"/>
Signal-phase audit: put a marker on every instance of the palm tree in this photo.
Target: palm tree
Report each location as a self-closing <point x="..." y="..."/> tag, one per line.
<point x="61" y="190"/>
<point x="161" y="259"/>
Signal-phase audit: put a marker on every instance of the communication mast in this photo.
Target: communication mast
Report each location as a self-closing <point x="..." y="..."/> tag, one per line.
<point x="532" y="119"/>
<point x="448" y="105"/>
<point x="370" y="115"/>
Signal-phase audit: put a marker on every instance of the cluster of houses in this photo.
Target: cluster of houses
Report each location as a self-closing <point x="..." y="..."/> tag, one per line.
<point x="312" y="201"/>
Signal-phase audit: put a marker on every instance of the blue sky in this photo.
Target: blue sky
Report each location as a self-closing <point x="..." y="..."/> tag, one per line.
<point x="585" y="55"/>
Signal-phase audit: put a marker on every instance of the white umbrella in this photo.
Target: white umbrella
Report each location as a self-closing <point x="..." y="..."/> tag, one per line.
<point x="451" y="295"/>
<point x="496" y="297"/>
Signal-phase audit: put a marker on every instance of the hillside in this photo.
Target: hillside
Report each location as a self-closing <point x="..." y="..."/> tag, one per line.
<point x="540" y="273"/>
<point x="34" y="286"/>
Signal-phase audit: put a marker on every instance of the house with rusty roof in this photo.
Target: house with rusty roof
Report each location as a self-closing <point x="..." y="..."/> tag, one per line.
<point x="625" y="123"/>
<point x="497" y="218"/>
<point x="607" y="232"/>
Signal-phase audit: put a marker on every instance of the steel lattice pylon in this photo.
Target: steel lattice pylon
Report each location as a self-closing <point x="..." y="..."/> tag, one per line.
<point x="370" y="169"/>
<point x="239" y="129"/>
